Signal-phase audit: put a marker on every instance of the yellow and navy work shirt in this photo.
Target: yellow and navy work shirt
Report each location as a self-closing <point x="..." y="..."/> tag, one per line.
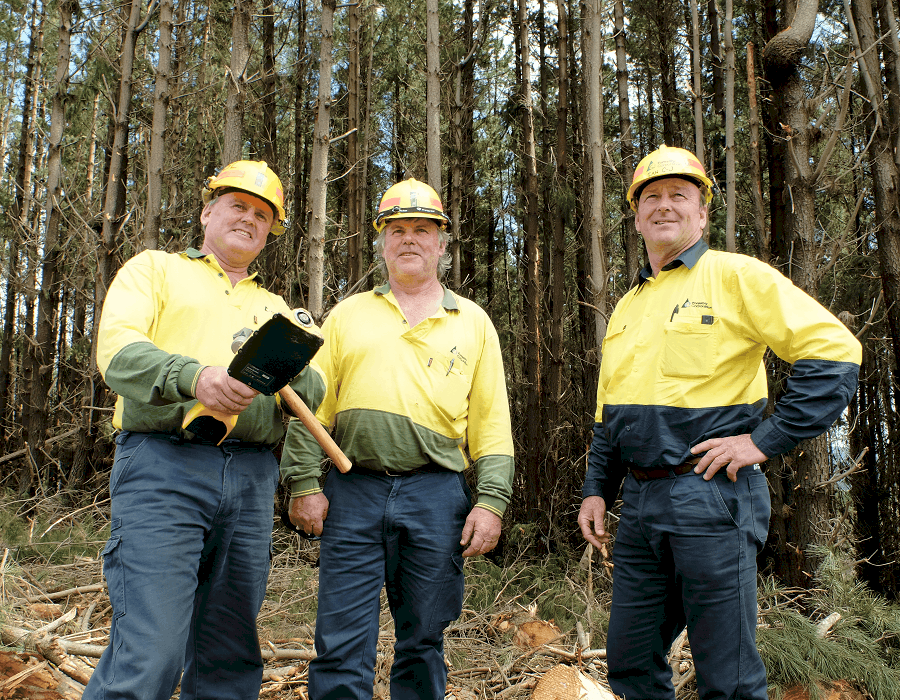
<point x="165" y="318"/>
<point x="683" y="363"/>
<point x="401" y="397"/>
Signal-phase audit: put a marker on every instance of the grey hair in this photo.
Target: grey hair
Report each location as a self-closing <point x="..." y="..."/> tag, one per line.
<point x="444" y="261"/>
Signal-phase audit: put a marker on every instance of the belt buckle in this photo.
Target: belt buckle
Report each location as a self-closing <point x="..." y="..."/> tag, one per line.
<point x="388" y="472"/>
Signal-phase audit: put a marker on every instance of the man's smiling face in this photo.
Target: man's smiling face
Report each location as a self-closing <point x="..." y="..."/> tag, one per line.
<point x="412" y="248"/>
<point x="671" y="216"/>
<point x="237" y="225"/>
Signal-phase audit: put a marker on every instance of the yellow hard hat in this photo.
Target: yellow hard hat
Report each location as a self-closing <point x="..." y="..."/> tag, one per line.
<point x="253" y="177"/>
<point x="668" y="161"/>
<point x="410" y="199"/>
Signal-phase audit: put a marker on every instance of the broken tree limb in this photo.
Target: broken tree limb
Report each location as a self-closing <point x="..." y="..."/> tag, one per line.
<point x="92" y="588"/>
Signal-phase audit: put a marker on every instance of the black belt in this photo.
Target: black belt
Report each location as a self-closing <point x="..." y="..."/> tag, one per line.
<point x="430" y="468"/>
<point x="196" y="440"/>
<point x="660" y="473"/>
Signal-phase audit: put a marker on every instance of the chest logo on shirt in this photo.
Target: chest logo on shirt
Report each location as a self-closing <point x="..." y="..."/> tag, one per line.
<point x="458" y="355"/>
<point x="688" y="304"/>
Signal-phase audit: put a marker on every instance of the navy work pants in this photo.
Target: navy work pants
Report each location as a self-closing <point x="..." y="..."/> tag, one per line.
<point x="402" y="532"/>
<point x="685" y="554"/>
<point x="186" y="564"/>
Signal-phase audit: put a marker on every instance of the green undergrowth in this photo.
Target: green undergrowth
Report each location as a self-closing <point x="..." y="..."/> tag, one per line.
<point x="50" y="532"/>
<point x="863" y="646"/>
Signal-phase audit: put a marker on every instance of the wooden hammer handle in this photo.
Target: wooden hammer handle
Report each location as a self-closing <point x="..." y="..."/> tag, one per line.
<point x="301" y="410"/>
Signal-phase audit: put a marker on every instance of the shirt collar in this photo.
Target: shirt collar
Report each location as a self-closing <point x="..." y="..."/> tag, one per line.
<point x="688" y="258"/>
<point x="195" y="254"/>
<point x="448" y="302"/>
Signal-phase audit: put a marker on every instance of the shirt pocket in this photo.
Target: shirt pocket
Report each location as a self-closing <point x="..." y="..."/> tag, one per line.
<point x="689" y="348"/>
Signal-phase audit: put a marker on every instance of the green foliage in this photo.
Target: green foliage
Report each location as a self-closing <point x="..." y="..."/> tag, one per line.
<point x="863" y="647"/>
<point x="46" y="534"/>
<point x="544" y="585"/>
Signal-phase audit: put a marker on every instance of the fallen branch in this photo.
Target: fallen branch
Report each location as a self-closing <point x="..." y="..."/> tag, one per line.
<point x="92" y="588"/>
<point x="589" y="654"/>
<point x="279" y="674"/>
<point x="12" y="455"/>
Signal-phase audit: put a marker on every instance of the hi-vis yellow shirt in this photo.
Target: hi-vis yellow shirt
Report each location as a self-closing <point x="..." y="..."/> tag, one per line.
<point x="683" y="363"/>
<point x="165" y="318"/>
<point x="401" y="397"/>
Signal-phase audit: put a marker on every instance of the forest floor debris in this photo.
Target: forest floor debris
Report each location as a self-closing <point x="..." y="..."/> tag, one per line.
<point x="520" y="621"/>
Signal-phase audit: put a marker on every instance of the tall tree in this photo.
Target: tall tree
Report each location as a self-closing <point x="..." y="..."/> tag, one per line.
<point x="532" y="274"/>
<point x="630" y="241"/>
<point x="433" y="94"/>
<point x="19" y="215"/>
<point x="233" y="129"/>
<point x="319" y="172"/>
<point x="41" y="352"/>
<point x="161" y="97"/>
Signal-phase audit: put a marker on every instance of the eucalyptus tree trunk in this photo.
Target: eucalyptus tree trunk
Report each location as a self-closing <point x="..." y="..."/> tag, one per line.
<point x="40" y="356"/>
<point x="232" y="137"/>
<point x="532" y="267"/>
<point x="626" y="148"/>
<point x="161" y="98"/>
<point x="433" y="95"/>
<point x="315" y="262"/>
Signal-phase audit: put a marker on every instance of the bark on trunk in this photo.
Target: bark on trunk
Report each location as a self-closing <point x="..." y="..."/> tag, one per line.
<point x="315" y="263"/>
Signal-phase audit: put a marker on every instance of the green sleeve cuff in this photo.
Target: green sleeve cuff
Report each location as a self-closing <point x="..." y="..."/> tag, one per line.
<point x="188" y="377"/>
<point x="304" y="486"/>
<point x="495" y="505"/>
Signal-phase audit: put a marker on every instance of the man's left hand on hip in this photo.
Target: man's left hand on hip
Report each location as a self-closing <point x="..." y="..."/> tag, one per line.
<point x="734" y="452"/>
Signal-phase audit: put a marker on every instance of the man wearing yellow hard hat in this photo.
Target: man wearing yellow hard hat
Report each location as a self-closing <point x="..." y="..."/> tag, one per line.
<point x="187" y="559"/>
<point x="681" y="428"/>
<point x="416" y="387"/>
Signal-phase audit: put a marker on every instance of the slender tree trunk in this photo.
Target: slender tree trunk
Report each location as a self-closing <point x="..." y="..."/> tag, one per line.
<point x="114" y="206"/>
<point x="161" y="98"/>
<point x="630" y="241"/>
<point x="317" y="194"/>
<point x="433" y="94"/>
<point x="354" y="220"/>
<point x="267" y="261"/>
<point x="41" y="355"/>
<point x="885" y="174"/>
<point x="20" y="210"/>
<point x="730" y="198"/>
<point x="759" y="212"/>
<point x="299" y="220"/>
<point x="558" y="254"/>
<point x="532" y="266"/>
<point x="697" y="75"/>
<point x="233" y="128"/>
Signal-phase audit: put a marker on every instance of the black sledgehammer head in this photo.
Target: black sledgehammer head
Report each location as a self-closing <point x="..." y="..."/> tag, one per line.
<point x="276" y="353"/>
